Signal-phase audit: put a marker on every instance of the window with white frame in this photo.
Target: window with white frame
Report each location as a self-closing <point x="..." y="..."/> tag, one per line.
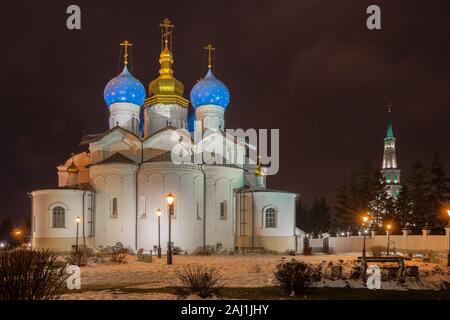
<point x="58" y="217"/>
<point x="114" y="208"/>
<point x="223" y="212"/>
<point x="270" y="218"/>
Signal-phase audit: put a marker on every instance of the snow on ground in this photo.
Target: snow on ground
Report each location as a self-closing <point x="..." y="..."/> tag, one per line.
<point x="106" y="280"/>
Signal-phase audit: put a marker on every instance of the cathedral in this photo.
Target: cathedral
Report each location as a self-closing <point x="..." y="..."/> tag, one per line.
<point x="112" y="191"/>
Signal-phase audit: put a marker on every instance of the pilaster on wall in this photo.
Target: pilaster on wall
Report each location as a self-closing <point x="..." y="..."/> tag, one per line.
<point x="425" y="233"/>
<point x="447" y="234"/>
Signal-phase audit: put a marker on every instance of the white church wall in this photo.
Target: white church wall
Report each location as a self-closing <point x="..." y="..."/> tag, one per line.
<point x="125" y="115"/>
<point x="98" y="182"/>
<point x="61" y="238"/>
<point x="221" y="181"/>
<point x="159" y="116"/>
<point x="116" y="223"/>
<point x="184" y="182"/>
<point x="212" y="116"/>
<point x="282" y="237"/>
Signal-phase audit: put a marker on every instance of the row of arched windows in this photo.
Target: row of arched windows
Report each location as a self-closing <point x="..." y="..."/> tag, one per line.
<point x="59" y="220"/>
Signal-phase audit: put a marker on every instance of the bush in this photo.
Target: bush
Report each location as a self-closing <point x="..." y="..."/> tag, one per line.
<point x="295" y="276"/>
<point x="377" y="251"/>
<point x="205" y="251"/>
<point x="291" y="252"/>
<point x="176" y="251"/>
<point x="117" y="253"/>
<point x="431" y="256"/>
<point x="80" y="257"/>
<point x="355" y="270"/>
<point x="198" y="279"/>
<point x="31" y="275"/>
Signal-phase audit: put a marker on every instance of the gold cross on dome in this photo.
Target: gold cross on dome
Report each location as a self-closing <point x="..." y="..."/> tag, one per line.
<point x="126" y="44"/>
<point x="210" y="48"/>
<point x="390" y="107"/>
<point x="166" y="26"/>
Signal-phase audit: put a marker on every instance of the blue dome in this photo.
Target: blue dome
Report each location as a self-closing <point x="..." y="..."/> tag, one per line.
<point x="210" y="91"/>
<point x="124" y="88"/>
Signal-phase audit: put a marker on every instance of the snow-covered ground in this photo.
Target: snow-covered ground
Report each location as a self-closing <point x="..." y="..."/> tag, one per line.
<point x="106" y="280"/>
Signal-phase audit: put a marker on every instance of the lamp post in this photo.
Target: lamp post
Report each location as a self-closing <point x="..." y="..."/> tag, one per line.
<point x="76" y="241"/>
<point x="365" y="219"/>
<point x="388" y="229"/>
<point x="170" y="202"/>
<point x="159" y="213"/>
<point x="448" y="255"/>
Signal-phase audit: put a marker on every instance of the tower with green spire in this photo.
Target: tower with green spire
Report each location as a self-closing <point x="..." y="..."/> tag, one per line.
<point x="390" y="170"/>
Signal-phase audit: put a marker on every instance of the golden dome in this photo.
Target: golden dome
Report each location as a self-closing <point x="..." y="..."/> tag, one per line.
<point x="166" y="89"/>
<point x="72" y="168"/>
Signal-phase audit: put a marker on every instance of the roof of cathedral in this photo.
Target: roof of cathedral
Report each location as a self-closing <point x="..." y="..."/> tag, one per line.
<point x="165" y="156"/>
<point x="89" y="138"/>
<point x="80" y="186"/>
<point x="124" y="88"/>
<point x="115" y="158"/>
<point x="266" y="190"/>
<point x="210" y="90"/>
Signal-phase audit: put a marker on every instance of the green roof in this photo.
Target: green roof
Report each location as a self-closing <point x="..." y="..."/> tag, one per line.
<point x="390" y="132"/>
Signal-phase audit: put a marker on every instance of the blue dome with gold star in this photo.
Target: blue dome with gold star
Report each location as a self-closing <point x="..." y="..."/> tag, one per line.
<point x="210" y="90"/>
<point x="124" y="88"/>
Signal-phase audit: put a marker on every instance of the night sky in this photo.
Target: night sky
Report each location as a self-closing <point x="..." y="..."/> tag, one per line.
<point x="310" y="68"/>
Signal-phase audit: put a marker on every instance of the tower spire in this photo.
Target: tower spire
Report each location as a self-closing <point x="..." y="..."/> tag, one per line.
<point x="390" y="131"/>
<point x="209" y="48"/>
<point x="126" y="44"/>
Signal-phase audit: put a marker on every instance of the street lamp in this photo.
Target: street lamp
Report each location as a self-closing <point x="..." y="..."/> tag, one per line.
<point x="388" y="229"/>
<point x="77" y="220"/>
<point x="170" y="201"/>
<point x="365" y="219"/>
<point x="159" y="213"/>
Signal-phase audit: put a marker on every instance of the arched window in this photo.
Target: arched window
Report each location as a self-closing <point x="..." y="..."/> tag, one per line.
<point x="58" y="217"/>
<point x="114" y="212"/>
<point x="270" y="218"/>
<point x="223" y="212"/>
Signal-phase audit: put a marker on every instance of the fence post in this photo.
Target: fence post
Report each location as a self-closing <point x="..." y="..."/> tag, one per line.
<point x="405" y="232"/>
<point x="425" y="232"/>
<point x="447" y="233"/>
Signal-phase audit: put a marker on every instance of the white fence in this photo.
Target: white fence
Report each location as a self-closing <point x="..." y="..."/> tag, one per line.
<point x="405" y="241"/>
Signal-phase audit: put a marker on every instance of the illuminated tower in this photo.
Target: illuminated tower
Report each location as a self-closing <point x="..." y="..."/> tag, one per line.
<point x="165" y="105"/>
<point x="390" y="170"/>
